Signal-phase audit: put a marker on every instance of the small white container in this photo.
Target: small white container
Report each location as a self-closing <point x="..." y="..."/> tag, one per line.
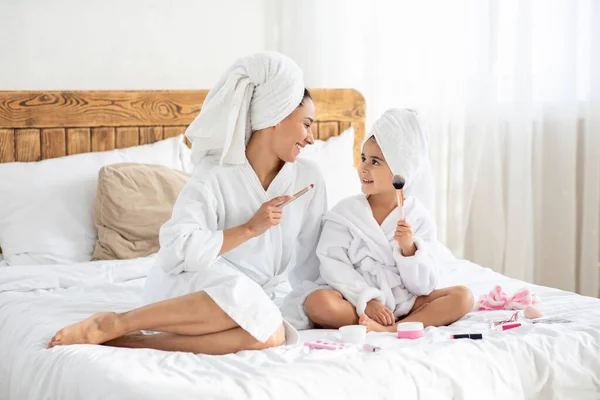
<point x="354" y="334"/>
<point x="410" y="330"/>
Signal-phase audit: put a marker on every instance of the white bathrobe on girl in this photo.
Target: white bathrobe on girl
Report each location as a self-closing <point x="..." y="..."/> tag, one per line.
<point x="224" y="192"/>
<point x="362" y="261"/>
<point x="359" y="258"/>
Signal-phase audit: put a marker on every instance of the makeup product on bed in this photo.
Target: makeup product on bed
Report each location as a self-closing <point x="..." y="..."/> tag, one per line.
<point x="472" y="336"/>
<point x="354" y="334"/>
<point x="410" y="330"/>
<point x="497" y="324"/>
<point x="398" y="182"/>
<point x="325" y="345"/>
<point x="297" y="195"/>
<point x="551" y="320"/>
<point x="370" y="348"/>
<point x="513" y="325"/>
<point x="532" y="312"/>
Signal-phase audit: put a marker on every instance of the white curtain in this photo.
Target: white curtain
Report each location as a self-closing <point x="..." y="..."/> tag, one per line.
<point x="511" y="91"/>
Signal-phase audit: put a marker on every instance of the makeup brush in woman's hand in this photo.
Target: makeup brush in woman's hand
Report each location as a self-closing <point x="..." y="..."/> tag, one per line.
<point x="398" y="182"/>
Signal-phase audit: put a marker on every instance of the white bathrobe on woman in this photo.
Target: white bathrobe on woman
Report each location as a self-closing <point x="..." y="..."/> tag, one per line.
<point x="360" y="259"/>
<point x="242" y="281"/>
<point x="224" y="192"/>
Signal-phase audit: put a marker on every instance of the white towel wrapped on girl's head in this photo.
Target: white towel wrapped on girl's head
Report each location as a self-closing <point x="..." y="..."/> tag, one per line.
<point x="263" y="88"/>
<point x="401" y="135"/>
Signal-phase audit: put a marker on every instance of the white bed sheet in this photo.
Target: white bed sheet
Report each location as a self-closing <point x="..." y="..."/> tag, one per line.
<point x="533" y="362"/>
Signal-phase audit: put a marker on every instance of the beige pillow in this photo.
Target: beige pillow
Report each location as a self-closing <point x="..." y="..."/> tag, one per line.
<point x="132" y="203"/>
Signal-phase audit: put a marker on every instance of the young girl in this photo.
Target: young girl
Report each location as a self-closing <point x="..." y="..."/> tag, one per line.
<point x="382" y="267"/>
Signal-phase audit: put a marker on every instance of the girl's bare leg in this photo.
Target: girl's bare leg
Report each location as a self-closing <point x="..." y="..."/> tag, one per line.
<point x="328" y="309"/>
<point x="225" y="342"/>
<point x="441" y="307"/>
<point x="192" y="314"/>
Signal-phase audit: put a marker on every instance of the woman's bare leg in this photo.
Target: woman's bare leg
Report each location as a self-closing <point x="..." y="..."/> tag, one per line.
<point x="191" y="314"/>
<point x="328" y="309"/>
<point x="441" y="307"/>
<point x="226" y="342"/>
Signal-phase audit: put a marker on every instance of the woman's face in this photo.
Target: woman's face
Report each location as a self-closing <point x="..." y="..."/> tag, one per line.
<point x="294" y="132"/>
<point x="375" y="175"/>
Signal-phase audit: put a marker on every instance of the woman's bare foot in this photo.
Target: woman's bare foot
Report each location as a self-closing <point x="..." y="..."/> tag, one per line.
<point x="97" y="329"/>
<point x="373" y="326"/>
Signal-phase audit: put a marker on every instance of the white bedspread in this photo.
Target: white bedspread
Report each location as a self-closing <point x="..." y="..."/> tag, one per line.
<point x="531" y="362"/>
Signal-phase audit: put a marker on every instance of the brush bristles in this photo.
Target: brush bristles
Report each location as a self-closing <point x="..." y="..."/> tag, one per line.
<point x="398" y="182"/>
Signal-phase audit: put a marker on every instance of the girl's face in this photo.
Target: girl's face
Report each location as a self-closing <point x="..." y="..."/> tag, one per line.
<point x="294" y="132"/>
<point x="374" y="173"/>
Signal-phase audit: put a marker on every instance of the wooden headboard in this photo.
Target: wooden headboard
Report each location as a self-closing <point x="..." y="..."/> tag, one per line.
<point x="40" y="125"/>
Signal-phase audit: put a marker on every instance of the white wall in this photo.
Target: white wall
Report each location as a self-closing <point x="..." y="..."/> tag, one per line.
<point x="125" y="44"/>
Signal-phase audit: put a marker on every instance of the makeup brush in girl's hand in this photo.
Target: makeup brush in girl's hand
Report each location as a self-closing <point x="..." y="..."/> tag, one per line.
<point x="398" y="182"/>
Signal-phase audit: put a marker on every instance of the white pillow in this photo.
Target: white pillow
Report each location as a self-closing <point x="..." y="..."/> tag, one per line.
<point x="46" y="207"/>
<point x="186" y="158"/>
<point x="335" y="157"/>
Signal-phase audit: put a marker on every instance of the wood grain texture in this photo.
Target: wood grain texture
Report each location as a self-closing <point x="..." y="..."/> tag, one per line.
<point x="339" y="105"/>
<point x="54" y="143"/>
<point x="99" y="108"/>
<point x="102" y="120"/>
<point x="359" y="135"/>
<point x="103" y="139"/>
<point x="50" y="109"/>
<point x="328" y="129"/>
<point x="150" y="134"/>
<point x="170" y="131"/>
<point x="27" y="145"/>
<point x="7" y="145"/>
<point x="78" y="140"/>
<point x="127" y="137"/>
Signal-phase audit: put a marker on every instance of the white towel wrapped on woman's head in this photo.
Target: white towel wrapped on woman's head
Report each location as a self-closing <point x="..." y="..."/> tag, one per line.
<point x="256" y="92"/>
<point x="400" y="134"/>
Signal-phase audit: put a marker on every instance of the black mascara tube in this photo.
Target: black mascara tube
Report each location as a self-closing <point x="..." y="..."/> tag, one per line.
<point x="473" y="336"/>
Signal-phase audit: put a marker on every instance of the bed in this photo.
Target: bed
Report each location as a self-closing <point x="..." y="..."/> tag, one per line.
<point x="541" y="361"/>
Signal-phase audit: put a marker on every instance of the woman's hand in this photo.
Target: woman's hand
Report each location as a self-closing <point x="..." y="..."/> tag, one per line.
<point x="379" y="313"/>
<point x="404" y="238"/>
<point x="267" y="216"/>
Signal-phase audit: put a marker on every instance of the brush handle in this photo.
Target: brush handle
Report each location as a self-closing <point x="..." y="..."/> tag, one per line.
<point x="297" y="195"/>
<point x="400" y="200"/>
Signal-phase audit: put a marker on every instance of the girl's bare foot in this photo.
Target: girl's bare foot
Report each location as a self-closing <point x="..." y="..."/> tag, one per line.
<point x="97" y="329"/>
<point x="373" y="326"/>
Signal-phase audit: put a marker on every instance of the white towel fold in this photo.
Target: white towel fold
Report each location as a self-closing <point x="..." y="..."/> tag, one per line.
<point x="256" y="92"/>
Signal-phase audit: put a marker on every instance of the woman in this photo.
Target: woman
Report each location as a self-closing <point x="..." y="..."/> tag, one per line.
<point x="229" y="243"/>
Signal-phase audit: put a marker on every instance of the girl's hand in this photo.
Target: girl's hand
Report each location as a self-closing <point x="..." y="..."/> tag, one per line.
<point x="267" y="216"/>
<point x="380" y="313"/>
<point x="404" y="238"/>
